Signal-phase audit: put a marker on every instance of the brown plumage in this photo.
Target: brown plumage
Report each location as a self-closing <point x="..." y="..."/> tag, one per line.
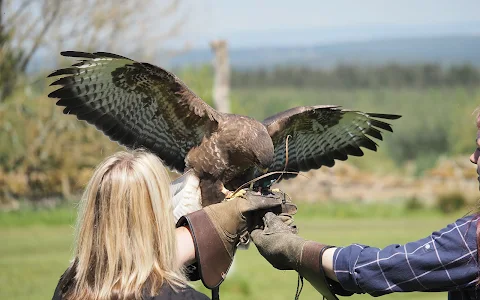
<point x="141" y="105"/>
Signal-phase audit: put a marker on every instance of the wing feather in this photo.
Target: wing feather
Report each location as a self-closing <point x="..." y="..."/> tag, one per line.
<point x="320" y="135"/>
<point x="136" y="104"/>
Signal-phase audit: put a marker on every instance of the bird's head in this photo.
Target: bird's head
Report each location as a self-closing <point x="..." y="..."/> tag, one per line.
<point x="263" y="160"/>
<point x="263" y="152"/>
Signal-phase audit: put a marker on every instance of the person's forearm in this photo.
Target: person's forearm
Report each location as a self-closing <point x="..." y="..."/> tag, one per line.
<point x="327" y="263"/>
<point x="185" y="246"/>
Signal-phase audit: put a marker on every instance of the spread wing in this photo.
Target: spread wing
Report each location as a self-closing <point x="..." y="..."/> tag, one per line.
<point x="319" y="135"/>
<point x="136" y="104"/>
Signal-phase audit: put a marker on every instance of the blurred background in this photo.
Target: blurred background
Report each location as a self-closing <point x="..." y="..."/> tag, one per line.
<point x="420" y="59"/>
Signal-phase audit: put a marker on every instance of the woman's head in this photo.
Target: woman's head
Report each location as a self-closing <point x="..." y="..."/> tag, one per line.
<point x="125" y="234"/>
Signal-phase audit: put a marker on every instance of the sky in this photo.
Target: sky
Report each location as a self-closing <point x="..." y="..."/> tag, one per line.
<point x="294" y="23"/>
<point x="251" y="23"/>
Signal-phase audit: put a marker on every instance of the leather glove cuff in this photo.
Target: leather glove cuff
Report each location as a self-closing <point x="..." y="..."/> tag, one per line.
<point x="311" y="268"/>
<point x="213" y="260"/>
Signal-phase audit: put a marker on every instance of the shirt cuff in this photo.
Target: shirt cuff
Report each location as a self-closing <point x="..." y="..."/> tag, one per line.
<point x="344" y="268"/>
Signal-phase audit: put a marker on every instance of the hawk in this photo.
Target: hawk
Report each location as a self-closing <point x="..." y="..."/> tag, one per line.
<point x="141" y="105"/>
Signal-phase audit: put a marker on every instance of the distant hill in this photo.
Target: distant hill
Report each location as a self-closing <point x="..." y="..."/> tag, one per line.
<point x="445" y="50"/>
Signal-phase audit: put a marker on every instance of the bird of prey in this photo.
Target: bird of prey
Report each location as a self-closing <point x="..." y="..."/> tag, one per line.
<point x="141" y="105"/>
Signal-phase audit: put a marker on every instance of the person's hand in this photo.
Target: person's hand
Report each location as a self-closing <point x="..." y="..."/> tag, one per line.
<point x="278" y="243"/>
<point x="232" y="218"/>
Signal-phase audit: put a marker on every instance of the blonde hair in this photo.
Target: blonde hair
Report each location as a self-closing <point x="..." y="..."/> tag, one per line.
<point x="125" y="241"/>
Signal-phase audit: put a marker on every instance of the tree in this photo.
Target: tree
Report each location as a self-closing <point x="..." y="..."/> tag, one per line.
<point x="44" y="153"/>
<point x="32" y="27"/>
<point x="221" y="86"/>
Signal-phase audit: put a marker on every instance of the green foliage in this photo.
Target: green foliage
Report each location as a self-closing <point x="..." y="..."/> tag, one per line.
<point x="413" y="204"/>
<point x="451" y="202"/>
<point x="463" y="121"/>
<point x="358" y="77"/>
<point x="10" y="64"/>
<point x="425" y="161"/>
<point x="434" y="122"/>
<point x="44" y="153"/>
<point x="199" y="80"/>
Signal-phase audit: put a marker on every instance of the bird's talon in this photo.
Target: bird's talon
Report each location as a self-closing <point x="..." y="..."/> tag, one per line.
<point x="232" y="195"/>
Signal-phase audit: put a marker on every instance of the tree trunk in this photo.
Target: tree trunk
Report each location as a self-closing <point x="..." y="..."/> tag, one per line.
<point x="221" y="85"/>
<point x="1" y="16"/>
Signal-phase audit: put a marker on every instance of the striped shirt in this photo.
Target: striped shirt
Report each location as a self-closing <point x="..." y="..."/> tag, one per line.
<point x="445" y="261"/>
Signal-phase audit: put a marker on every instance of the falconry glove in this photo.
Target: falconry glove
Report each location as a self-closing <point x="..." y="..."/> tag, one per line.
<point x="285" y="250"/>
<point x="217" y="228"/>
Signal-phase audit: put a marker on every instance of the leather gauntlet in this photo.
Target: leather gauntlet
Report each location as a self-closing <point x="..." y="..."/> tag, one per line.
<point x="216" y="231"/>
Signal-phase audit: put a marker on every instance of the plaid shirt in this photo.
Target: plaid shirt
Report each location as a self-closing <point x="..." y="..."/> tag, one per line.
<point x="444" y="261"/>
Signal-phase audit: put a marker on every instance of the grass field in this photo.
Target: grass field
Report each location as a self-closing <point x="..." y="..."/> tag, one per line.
<point x="36" y="248"/>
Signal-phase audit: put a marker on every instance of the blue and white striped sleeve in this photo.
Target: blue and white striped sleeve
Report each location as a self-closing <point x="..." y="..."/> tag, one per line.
<point x="444" y="261"/>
